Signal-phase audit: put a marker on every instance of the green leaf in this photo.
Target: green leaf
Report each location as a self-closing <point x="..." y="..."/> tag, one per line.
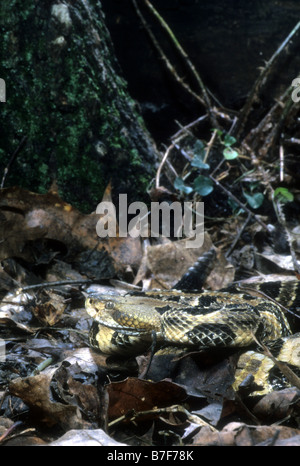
<point x="218" y="131"/>
<point x="229" y="140"/>
<point x="283" y="195"/>
<point x="199" y="147"/>
<point x="179" y="184"/>
<point x="199" y="154"/>
<point x="198" y="162"/>
<point x="254" y="200"/>
<point x="230" y="153"/>
<point x="236" y="208"/>
<point x="203" y="185"/>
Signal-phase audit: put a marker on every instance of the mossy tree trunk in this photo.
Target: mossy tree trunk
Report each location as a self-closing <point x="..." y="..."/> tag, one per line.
<point x="65" y="93"/>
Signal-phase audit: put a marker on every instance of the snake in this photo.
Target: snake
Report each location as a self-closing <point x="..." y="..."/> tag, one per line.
<point x="127" y="326"/>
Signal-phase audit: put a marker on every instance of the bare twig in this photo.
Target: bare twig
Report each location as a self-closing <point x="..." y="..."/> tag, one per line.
<point x="209" y="145"/>
<point x="8" y="432"/>
<point x="239" y="234"/>
<point x="187" y="61"/>
<point x="281" y="163"/>
<point x="204" y="101"/>
<point x="235" y="199"/>
<point x="268" y="118"/>
<point x="260" y="81"/>
<point x="132" y="415"/>
<point x="187" y="127"/>
<point x="292" y="141"/>
<point x="58" y="283"/>
<point x="166" y="155"/>
<point x="274" y="134"/>
<point x="169" y="66"/>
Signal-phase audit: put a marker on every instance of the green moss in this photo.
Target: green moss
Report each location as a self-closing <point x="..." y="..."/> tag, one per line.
<point x="56" y="98"/>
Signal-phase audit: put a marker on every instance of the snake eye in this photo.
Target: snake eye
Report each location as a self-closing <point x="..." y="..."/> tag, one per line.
<point x="109" y="305"/>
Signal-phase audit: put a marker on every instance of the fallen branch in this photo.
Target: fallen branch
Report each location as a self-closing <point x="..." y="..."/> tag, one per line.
<point x="50" y="284"/>
<point x="132" y="415"/>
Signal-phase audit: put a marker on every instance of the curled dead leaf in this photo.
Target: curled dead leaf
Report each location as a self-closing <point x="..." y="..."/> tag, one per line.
<point x="36" y="393"/>
<point x="49" y="307"/>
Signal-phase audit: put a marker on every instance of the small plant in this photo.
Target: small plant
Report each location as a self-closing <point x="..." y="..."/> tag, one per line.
<point x="282" y="195"/>
<point x="227" y="141"/>
<point x="254" y="199"/>
<point x="204" y="185"/>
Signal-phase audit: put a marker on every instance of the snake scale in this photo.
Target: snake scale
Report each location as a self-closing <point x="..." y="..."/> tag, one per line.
<point x="127" y="325"/>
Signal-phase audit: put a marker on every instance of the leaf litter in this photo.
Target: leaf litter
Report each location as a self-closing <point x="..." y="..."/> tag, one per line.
<point x="62" y="392"/>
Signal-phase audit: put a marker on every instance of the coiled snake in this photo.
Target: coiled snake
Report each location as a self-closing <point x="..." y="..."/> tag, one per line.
<point x="127" y="325"/>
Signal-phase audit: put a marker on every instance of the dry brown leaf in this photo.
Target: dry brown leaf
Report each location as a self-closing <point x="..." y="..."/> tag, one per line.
<point x="49" y="307"/>
<point x="240" y="434"/>
<point x="135" y="395"/>
<point x="15" y="234"/>
<point x="169" y="261"/>
<point x="35" y="392"/>
<point x="278" y="405"/>
<point x="29" y="216"/>
<point x="77" y="392"/>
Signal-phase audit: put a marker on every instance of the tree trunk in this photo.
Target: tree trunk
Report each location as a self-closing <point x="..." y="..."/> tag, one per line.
<point x="65" y="94"/>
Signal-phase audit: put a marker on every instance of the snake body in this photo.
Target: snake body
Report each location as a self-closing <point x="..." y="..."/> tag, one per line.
<point x="126" y="326"/>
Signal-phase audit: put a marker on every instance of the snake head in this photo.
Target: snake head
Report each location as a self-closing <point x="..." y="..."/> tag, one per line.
<point x="123" y="313"/>
<point x="102" y="310"/>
